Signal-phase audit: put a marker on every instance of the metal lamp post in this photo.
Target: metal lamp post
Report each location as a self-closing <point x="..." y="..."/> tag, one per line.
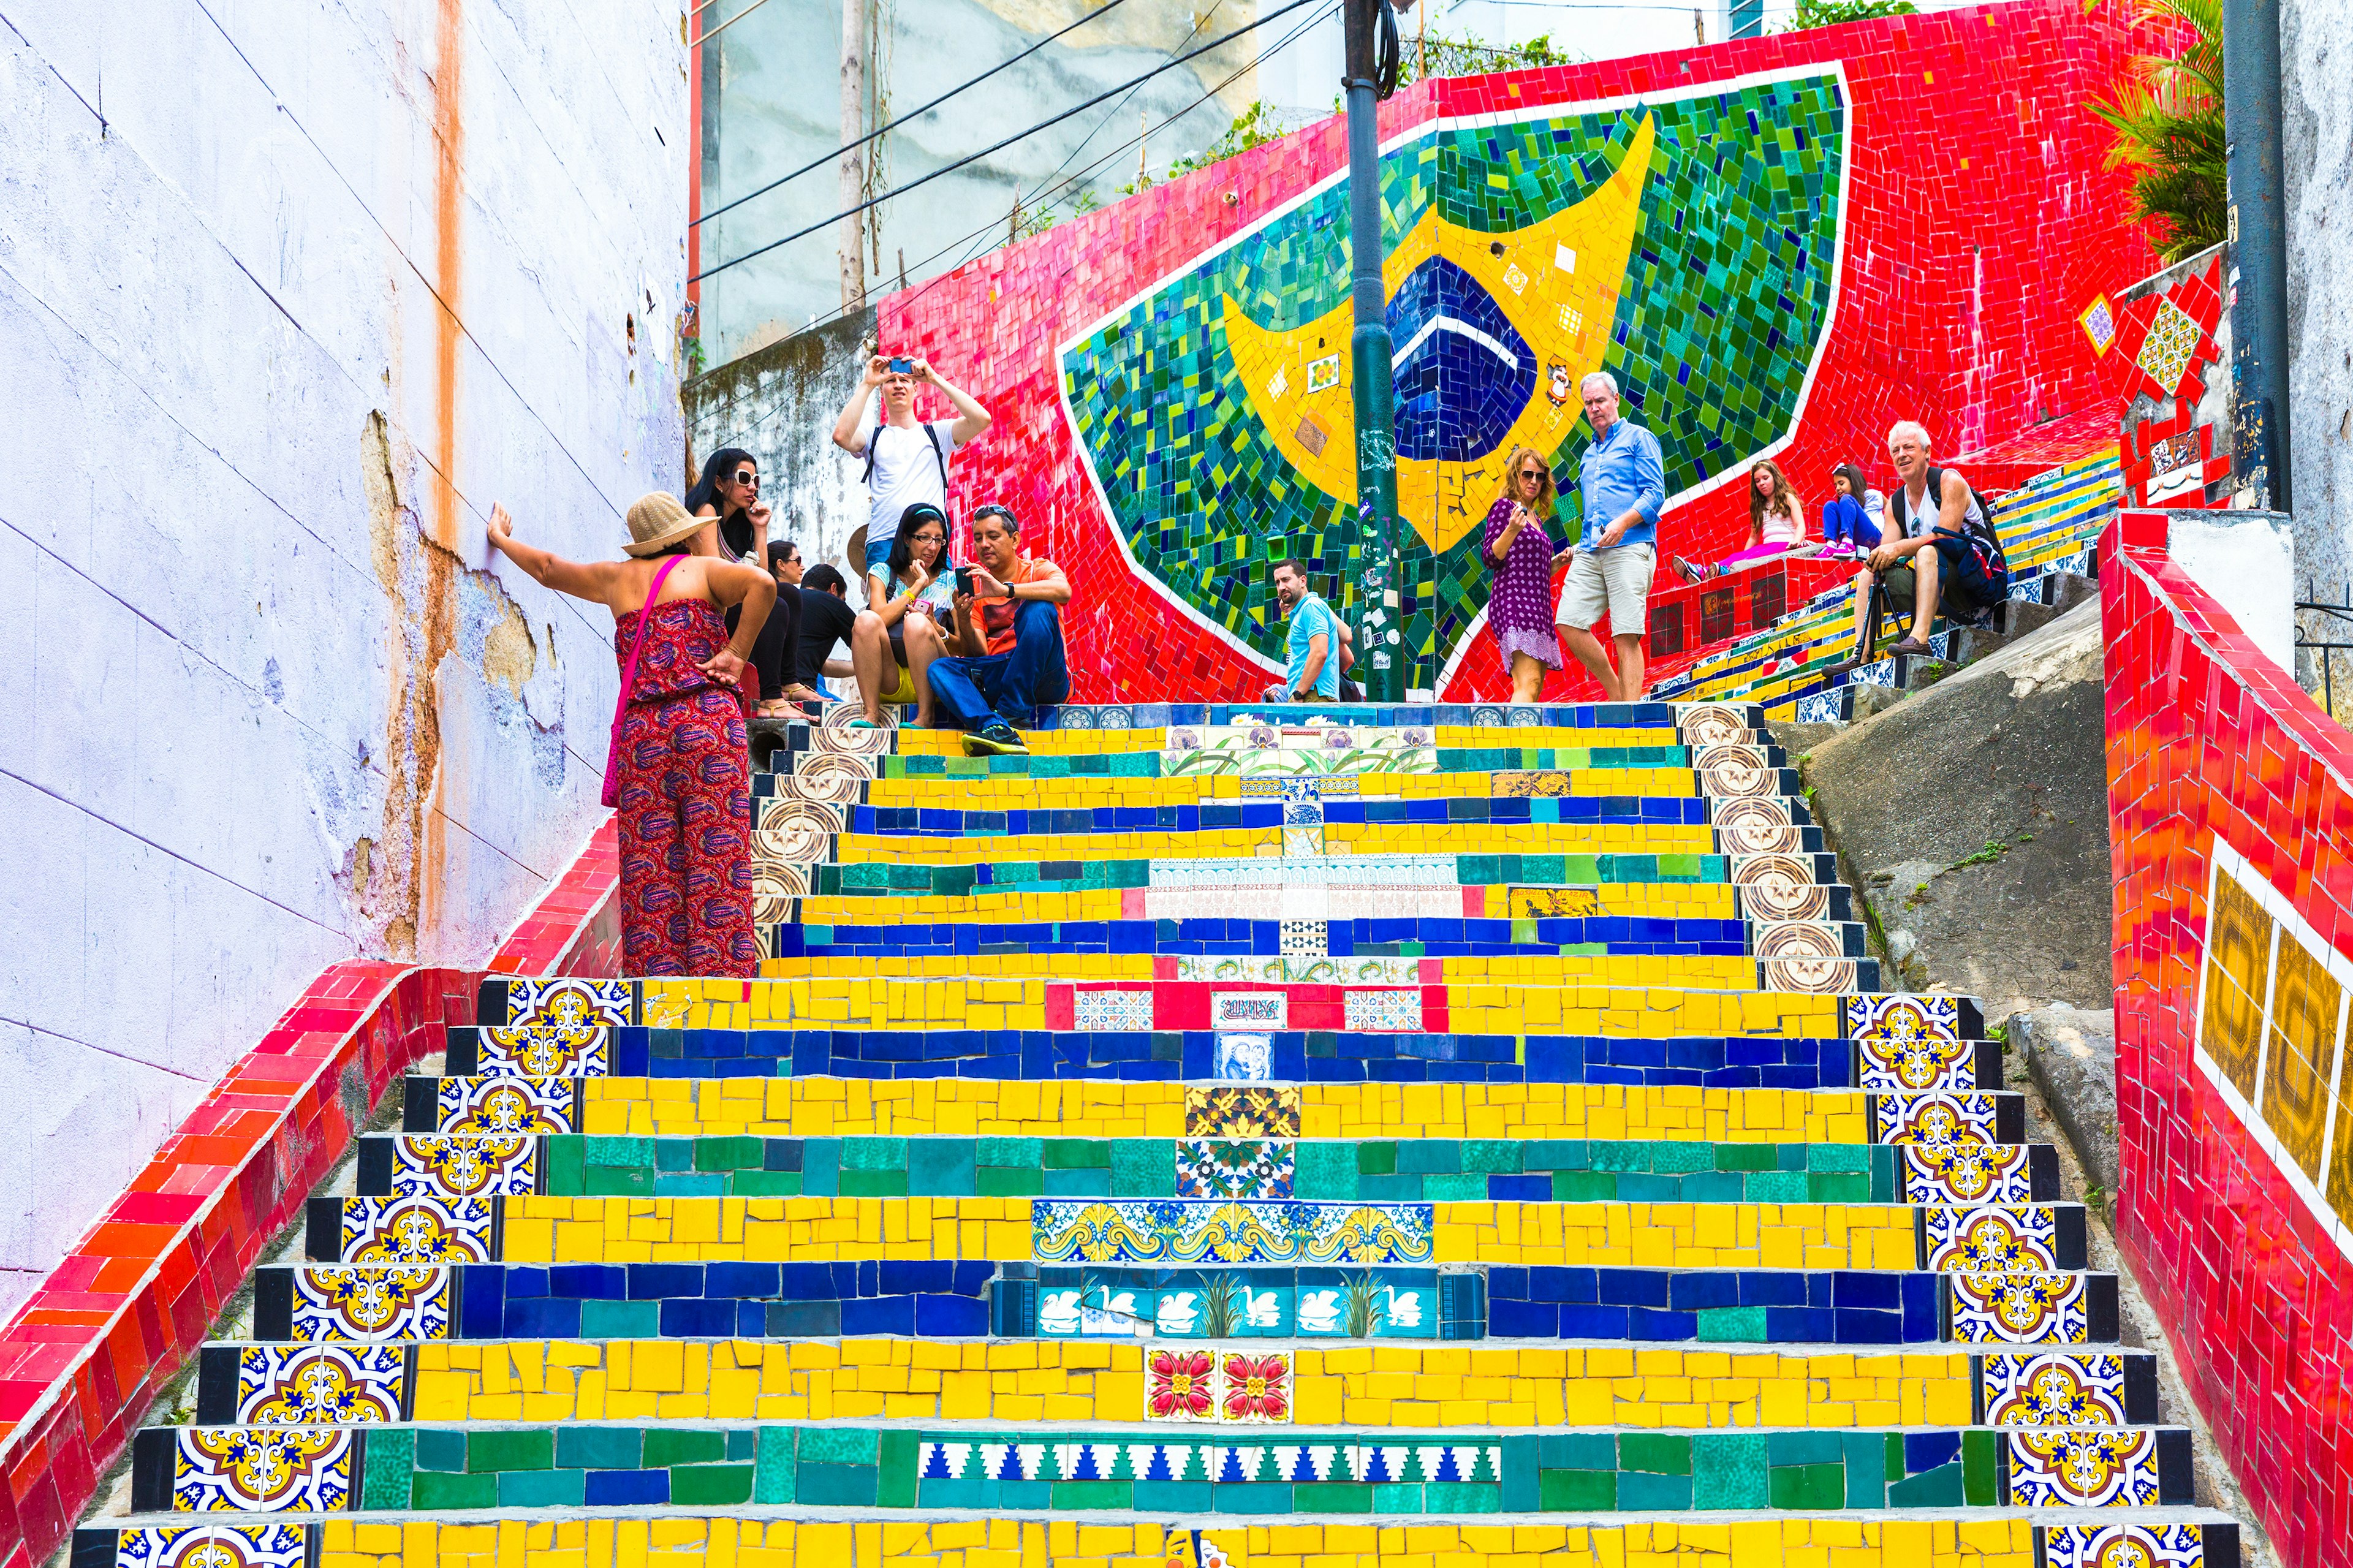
<point x="1371" y="37"/>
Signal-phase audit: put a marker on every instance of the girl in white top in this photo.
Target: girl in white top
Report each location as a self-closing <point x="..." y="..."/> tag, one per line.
<point x="909" y="599"/>
<point x="1777" y="527"/>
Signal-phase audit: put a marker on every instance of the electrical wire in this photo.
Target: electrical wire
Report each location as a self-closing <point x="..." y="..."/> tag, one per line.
<point x="923" y="288"/>
<point x="1000" y="146"/>
<point x="731" y="21"/>
<point x="882" y="131"/>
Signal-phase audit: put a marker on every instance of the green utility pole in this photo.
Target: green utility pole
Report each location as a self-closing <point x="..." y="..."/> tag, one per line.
<point x="1372" y="66"/>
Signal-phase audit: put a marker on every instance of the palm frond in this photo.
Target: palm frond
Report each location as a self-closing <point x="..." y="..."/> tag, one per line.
<point x="2165" y="114"/>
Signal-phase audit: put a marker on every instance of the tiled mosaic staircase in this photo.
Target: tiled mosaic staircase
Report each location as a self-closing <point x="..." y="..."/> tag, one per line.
<point x="2049" y="527"/>
<point x="1209" y="1142"/>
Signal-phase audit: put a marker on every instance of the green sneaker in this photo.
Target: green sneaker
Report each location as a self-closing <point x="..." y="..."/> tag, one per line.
<point x="996" y="738"/>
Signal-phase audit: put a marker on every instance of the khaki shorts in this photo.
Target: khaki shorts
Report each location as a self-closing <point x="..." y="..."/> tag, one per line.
<point x="1617" y="580"/>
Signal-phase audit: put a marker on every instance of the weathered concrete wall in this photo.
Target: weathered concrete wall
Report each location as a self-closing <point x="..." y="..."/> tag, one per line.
<point x="2315" y="58"/>
<point x="289" y="292"/>
<point x="779" y="404"/>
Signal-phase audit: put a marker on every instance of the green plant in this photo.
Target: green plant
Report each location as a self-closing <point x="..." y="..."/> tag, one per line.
<point x="1255" y="126"/>
<point x="1220" y="1298"/>
<point x="1470" y="55"/>
<point x="2166" y="117"/>
<point x="1830" y="13"/>
<point x="1364" y="1306"/>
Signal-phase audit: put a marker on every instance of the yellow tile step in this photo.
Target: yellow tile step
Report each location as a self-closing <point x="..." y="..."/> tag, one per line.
<point x="967" y="1107"/>
<point x="689" y="1542"/>
<point x="1249" y="843"/>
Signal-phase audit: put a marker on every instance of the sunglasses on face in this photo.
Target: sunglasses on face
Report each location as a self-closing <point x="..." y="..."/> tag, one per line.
<point x="746" y="476"/>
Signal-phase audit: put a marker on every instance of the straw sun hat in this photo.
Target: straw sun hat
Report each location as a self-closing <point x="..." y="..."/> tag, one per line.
<point x="658" y="521"/>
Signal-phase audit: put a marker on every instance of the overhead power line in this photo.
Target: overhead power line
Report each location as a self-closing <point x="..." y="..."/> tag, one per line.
<point x="885" y="128"/>
<point x="1000" y="146"/>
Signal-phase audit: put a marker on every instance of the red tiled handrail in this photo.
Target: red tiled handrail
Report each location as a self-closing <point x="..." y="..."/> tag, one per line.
<point x="84" y="1355"/>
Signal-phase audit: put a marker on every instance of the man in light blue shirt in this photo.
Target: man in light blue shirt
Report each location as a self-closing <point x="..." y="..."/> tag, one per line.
<point x="1622" y="478"/>
<point x="1313" y="652"/>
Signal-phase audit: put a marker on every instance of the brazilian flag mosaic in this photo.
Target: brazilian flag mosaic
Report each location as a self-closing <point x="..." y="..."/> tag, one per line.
<point x="1687" y="245"/>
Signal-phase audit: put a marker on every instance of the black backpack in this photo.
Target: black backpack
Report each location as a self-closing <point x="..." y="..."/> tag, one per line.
<point x="929" y="430"/>
<point x="1982" y="539"/>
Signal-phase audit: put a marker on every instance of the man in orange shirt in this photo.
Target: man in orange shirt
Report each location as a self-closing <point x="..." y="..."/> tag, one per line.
<point x="1008" y="634"/>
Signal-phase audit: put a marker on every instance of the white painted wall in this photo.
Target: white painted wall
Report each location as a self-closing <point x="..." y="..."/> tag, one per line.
<point x="261" y="707"/>
<point x="2247" y="561"/>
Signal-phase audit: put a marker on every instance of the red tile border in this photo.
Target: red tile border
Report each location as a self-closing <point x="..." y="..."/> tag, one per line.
<point x="2209" y="744"/>
<point x="117" y="1318"/>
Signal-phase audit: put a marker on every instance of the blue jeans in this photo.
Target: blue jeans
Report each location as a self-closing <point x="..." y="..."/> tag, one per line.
<point x="972" y="692"/>
<point x="878" y="552"/>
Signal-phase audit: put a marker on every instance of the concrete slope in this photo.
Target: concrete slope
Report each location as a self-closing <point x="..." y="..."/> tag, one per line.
<point x="1973" y="818"/>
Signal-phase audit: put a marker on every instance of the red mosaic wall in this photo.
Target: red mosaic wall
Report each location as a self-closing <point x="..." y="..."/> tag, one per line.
<point x="2158" y="369"/>
<point x="2224" y="775"/>
<point x="112" y="1324"/>
<point x="1981" y="229"/>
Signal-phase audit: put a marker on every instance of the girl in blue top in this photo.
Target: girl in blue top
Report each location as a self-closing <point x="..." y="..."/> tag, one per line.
<point x="1847" y="529"/>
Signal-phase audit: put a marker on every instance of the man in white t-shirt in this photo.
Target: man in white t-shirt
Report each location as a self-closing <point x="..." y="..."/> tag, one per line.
<point x="906" y="457"/>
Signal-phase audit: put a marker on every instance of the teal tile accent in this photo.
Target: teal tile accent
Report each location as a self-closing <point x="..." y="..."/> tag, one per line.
<point x="440" y="1448"/>
<point x="1143" y="1168"/>
<point x="521" y="1451"/>
<point x="388" y="1463"/>
<point x="899" y="1460"/>
<point x="837" y="1446"/>
<point x="711" y="1485"/>
<point x="600" y="1447"/>
<point x="874" y="1154"/>
<point x="772" y="1467"/>
<point x="668" y="1446"/>
<point x="620" y="1319"/>
<point x="1728" y="1471"/>
<point x="545" y="1488"/>
<point x="835" y="1486"/>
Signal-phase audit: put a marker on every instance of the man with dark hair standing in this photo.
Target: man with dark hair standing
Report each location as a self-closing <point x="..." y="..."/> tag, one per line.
<point x="1009" y="639"/>
<point x="1312" y="650"/>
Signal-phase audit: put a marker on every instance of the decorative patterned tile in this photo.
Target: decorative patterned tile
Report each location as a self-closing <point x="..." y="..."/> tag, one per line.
<point x="1382" y="1012"/>
<point x="798" y="832"/>
<point x="320" y="1385"/>
<point x="567" y="1004"/>
<point x="1241" y="1112"/>
<point x="1243" y="1057"/>
<point x="1712" y="723"/>
<point x="2092" y="1467"/>
<point x="2020" y="1309"/>
<point x="1111" y="1012"/>
<point x="464" y="1165"/>
<point x="1728" y="769"/>
<point x="503" y="1107"/>
<point x="1808" y="977"/>
<point x="417" y="1231"/>
<point x="1918" y="1064"/>
<point x="262" y="1469"/>
<point x="2053" y="1388"/>
<point x="213" y="1546"/>
<point x="1306" y="939"/>
<point x="2018" y="1240"/>
<point x="1249" y="1010"/>
<point x="1966" y="1173"/>
<point x="1903" y="1018"/>
<point x="1779" y="888"/>
<point x="1221" y="1385"/>
<point x="550" y="1048"/>
<point x="1176" y="1231"/>
<point x="2178" y="1545"/>
<point x="1220" y="1303"/>
<point x="1755" y="825"/>
<point x="831" y="777"/>
<point x="2165" y="352"/>
<point x="1937" y="1119"/>
<point x="362" y="1303"/>
<point x="1226" y="1168"/>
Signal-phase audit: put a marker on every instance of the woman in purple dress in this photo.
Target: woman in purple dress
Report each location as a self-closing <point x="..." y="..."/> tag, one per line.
<point x="1518" y="551"/>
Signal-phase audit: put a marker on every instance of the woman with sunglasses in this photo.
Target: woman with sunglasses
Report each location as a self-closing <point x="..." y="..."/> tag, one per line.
<point x="909" y="596"/>
<point x="1519" y="551"/>
<point x="729" y="491"/>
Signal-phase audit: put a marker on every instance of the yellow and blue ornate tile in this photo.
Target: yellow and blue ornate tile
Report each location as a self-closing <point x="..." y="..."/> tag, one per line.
<point x="464" y="1165"/>
<point x="542" y="1050"/>
<point x="2179" y="1545"/>
<point x="1904" y="1017"/>
<point x="2029" y="1239"/>
<point x="568" y="1003"/>
<point x="420" y="1231"/>
<point x="358" y="1303"/>
<point x="2022" y="1309"/>
<point x="2091" y="1467"/>
<point x="1161" y="1230"/>
<point x="1967" y="1173"/>
<point x="274" y="1545"/>
<point x="261" y="1469"/>
<point x="504" y="1106"/>
<point x="1382" y="1012"/>
<point x="1913" y="1063"/>
<point x="2066" y="1388"/>
<point x="320" y="1385"/>
<point x="1937" y="1119"/>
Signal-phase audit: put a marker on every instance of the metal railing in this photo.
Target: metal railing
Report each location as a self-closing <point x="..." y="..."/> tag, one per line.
<point x="2334" y="620"/>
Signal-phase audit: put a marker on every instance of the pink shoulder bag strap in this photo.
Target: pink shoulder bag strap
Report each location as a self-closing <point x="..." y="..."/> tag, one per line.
<point x="612" y="796"/>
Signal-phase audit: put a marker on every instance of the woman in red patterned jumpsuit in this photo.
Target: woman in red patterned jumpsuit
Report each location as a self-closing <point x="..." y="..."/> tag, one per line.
<point x="685" y="772"/>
